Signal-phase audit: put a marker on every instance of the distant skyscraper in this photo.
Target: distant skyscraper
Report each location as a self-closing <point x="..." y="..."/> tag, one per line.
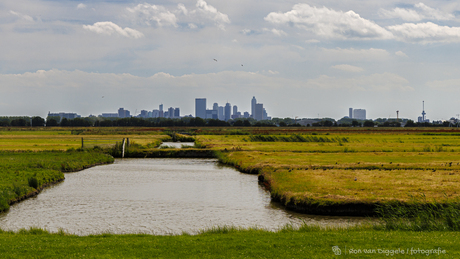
<point x="350" y="113"/>
<point x="220" y="113"/>
<point x="171" y="112"/>
<point x="235" y="112"/>
<point x="200" y="108"/>
<point x="246" y="115"/>
<point x="176" y="113"/>
<point x="215" y="106"/>
<point x="122" y="113"/>
<point x="253" y="107"/>
<point x="228" y="111"/>
<point x="259" y="111"/>
<point x="161" y="113"/>
<point x="265" y="115"/>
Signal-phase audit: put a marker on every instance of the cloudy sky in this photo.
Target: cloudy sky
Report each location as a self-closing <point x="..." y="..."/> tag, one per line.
<point x="298" y="58"/>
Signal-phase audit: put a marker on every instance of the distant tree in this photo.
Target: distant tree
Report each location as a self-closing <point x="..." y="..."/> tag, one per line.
<point x="246" y="123"/>
<point x="282" y="124"/>
<point x="64" y="122"/>
<point x="355" y="123"/>
<point x="51" y="122"/>
<point x="368" y="123"/>
<point x="38" y="121"/>
<point x="19" y="123"/>
<point x="238" y="123"/>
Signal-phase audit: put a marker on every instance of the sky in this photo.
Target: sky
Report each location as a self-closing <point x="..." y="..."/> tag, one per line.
<point x="302" y="59"/>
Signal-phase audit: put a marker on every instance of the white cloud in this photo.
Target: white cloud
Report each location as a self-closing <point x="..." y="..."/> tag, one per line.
<point x="110" y="28"/>
<point x="329" y="23"/>
<point x="354" y="54"/>
<point x="420" y="12"/>
<point x="277" y="32"/>
<point x="425" y="32"/>
<point x="312" y="41"/>
<point x="81" y="6"/>
<point x="401" y="54"/>
<point x="211" y="13"/>
<point x="348" y="68"/>
<point x="147" y="13"/>
<point x="375" y="82"/>
<point x="22" y="16"/>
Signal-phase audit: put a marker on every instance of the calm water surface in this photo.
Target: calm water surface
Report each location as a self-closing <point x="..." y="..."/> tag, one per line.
<point x="155" y="196"/>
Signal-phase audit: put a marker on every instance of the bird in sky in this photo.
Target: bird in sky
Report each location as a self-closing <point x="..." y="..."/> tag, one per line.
<point x="215" y="60"/>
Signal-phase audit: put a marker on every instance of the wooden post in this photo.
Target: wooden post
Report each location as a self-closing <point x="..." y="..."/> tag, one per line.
<point x="128" y="142"/>
<point x="123" y="148"/>
<point x="82" y="143"/>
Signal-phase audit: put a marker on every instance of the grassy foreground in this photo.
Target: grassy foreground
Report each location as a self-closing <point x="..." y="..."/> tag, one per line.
<point x="308" y="242"/>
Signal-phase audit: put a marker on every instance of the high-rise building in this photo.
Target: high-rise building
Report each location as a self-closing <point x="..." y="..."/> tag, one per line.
<point x="220" y="113"/>
<point x="259" y="111"/>
<point x="215" y="106"/>
<point x="246" y="115"/>
<point x="171" y="112"/>
<point x="350" y="113"/>
<point x="235" y="112"/>
<point x="176" y="113"/>
<point x="161" y="113"/>
<point x="253" y="107"/>
<point x="265" y="115"/>
<point x="200" y="108"/>
<point x="228" y="111"/>
<point x="155" y="113"/>
<point x="122" y="113"/>
<point x="144" y="114"/>
<point x="359" y="114"/>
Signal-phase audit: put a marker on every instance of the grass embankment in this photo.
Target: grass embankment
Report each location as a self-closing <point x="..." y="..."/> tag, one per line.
<point x="24" y="174"/>
<point x="308" y="242"/>
<point x="41" y="139"/>
<point x="347" y="173"/>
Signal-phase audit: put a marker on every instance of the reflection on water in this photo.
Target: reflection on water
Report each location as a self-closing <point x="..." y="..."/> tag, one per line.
<point x="177" y="144"/>
<point x="155" y="196"/>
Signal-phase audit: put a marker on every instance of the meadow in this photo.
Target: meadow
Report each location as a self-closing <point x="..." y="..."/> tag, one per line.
<point x="305" y="168"/>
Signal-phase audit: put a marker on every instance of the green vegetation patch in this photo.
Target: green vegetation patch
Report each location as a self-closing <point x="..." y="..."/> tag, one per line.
<point x="228" y="242"/>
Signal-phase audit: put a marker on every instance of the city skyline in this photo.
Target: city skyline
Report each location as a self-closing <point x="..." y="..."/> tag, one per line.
<point x="301" y="59"/>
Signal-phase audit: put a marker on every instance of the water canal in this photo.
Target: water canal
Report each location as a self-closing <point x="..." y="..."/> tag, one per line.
<point x="155" y="196"/>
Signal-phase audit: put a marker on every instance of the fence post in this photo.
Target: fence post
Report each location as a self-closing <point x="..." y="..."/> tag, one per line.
<point x="123" y="149"/>
<point x="128" y="142"/>
<point x="82" y="143"/>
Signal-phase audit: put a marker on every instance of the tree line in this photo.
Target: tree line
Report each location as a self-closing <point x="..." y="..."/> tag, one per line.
<point x="37" y="121"/>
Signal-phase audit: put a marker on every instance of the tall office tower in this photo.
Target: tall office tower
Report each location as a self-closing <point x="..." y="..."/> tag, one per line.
<point x="121" y="113"/>
<point x="265" y="115"/>
<point x="359" y="114"/>
<point x="228" y="111"/>
<point x="200" y="108"/>
<point x="220" y="113"/>
<point x="350" y="113"/>
<point x="171" y="112"/>
<point x="215" y="106"/>
<point x="246" y="115"/>
<point x="259" y="111"/>
<point x="161" y="114"/>
<point x="144" y="114"/>
<point x="253" y="107"/>
<point x="156" y="113"/>
<point x="235" y="111"/>
<point x="176" y="113"/>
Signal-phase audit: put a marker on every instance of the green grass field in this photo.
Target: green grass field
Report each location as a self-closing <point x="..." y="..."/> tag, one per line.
<point x="388" y="166"/>
<point x="308" y="242"/>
